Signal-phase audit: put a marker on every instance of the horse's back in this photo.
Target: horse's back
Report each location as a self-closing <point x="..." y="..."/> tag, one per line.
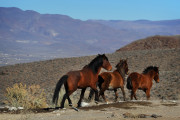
<point x="135" y="77"/>
<point x="74" y="74"/>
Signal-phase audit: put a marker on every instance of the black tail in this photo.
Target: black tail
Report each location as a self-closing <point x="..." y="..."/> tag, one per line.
<point x="129" y="83"/>
<point x="58" y="87"/>
<point x="100" y="81"/>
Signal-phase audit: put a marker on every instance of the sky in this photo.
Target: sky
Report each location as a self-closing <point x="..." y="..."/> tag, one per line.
<point x="102" y="9"/>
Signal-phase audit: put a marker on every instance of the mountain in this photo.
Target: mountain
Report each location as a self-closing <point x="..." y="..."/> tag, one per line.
<point x="144" y="28"/>
<point x="28" y="35"/>
<point x="154" y="42"/>
<point x="54" y="31"/>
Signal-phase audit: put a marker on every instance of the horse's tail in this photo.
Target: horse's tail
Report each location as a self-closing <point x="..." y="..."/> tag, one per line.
<point x="100" y="81"/>
<point x="58" y="87"/>
<point x="129" y="83"/>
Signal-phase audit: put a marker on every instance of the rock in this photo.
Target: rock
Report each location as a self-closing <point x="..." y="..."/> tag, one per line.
<point x="20" y="108"/>
<point x="130" y="115"/>
<point x="12" y="108"/>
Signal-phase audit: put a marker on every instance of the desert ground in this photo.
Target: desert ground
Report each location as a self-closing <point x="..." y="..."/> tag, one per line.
<point x="129" y="110"/>
<point x="165" y="96"/>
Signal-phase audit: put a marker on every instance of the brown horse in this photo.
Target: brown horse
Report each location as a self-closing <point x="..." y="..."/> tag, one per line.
<point x="87" y="77"/>
<point x="142" y="81"/>
<point x="112" y="80"/>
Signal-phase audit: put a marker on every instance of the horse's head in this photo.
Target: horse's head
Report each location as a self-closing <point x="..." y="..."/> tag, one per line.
<point x="106" y="65"/>
<point x="156" y="77"/>
<point x="122" y="65"/>
<point x="153" y="71"/>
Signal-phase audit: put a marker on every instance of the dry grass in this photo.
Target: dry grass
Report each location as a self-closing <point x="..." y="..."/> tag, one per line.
<point x="27" y="97"/>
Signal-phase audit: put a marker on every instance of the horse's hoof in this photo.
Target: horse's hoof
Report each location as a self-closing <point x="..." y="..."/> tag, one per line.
<point x="63" y="108"/>
<point x="76" y="109"/>
<point x="96" y="102"/>
<point x="70" y="105"/>
<point x="57" y="108"/>
<point x="79" y="105"/>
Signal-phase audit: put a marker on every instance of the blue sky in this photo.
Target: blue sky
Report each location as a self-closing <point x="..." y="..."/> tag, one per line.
<point x="102" y="9"/>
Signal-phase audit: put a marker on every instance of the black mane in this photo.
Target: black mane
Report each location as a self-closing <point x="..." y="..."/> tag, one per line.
<point x="151" y="68"/>
<point x="96" y="63"/>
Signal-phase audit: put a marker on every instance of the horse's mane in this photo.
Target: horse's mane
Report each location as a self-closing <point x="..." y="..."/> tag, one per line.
<point x="96" y="63"/>
<point x="121" y="63"/>
<point x="151" y="68"/>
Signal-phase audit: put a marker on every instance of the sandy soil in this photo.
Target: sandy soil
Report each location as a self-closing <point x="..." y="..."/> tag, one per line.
<point x="130" y="110"/>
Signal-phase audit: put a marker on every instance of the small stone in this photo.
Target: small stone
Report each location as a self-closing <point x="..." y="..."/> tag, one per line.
<point x="12" y="108"/>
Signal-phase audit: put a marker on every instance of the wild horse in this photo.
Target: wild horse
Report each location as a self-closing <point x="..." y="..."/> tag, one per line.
<point x="81" y="79"/>
<point x="112" y="80"/>
<point x="142" y="81"/>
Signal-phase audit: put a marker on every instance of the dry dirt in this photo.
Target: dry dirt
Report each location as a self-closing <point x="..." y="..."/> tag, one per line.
<point x="129" y="110"/>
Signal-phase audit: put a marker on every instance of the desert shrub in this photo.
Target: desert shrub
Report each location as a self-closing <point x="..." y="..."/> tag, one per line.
<point x="28" y="97"/>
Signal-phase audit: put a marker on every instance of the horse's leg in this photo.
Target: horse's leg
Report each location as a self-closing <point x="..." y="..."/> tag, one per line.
<point x="91" y="94"/>
<point x="63" y="100"/>
<point x="124" y="95"/>
<point x="69" y="92"/>
<point x="66" y="96"/>
<point x="103" y="96"/>
<point x="96" y="93"/>
<point x="148" y="94"/>
<point x="69" y="100"/>
<point x="81" y="96"/>
<point x="116" y="95"/>
<point x="135" y="96"/>
<point x="133" y="93"/>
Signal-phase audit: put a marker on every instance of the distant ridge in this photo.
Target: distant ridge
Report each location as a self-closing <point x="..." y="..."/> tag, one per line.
<point x="154" y="42"/>
<point x="27" y="36"/>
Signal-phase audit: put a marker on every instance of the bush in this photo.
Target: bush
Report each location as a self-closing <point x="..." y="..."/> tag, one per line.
<point x="28" y="97"/>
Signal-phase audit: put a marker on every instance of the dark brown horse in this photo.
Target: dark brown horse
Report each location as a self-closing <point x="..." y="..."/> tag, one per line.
<point x="112" y="80"/>
<point x="142" y="81"/>
<point x="87" y="77"/>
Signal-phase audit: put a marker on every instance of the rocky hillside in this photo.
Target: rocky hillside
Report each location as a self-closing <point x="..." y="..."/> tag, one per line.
<point x="155" y="42"/>
<point x="47" y="73"/>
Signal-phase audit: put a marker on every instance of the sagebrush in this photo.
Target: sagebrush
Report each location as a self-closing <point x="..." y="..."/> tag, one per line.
<point x="30" y="97"/>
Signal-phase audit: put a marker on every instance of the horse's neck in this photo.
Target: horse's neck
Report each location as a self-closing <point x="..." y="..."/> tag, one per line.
<point x="90" y="70"/>
<point x="121" y="72"/>
<point x="99" y="69"/>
